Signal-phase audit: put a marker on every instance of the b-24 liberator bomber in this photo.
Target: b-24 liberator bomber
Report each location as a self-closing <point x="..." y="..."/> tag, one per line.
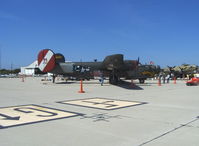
<point x="146" y="71"/>
<point x="113" y="66"/>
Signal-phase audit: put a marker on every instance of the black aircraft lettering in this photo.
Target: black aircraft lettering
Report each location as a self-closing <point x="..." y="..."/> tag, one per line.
<point x="6" y="117"/>
<point x="30" y="110"/>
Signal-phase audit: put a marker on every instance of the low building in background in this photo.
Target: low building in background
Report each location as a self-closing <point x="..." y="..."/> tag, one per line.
<point x="31" y="69"/>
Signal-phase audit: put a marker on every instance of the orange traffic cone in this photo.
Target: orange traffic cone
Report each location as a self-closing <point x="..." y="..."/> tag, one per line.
<point x="81" y="87"/>
<point x="174" y="80"/>
<point x="22" y="79"/>
<point x="159" y="82"/>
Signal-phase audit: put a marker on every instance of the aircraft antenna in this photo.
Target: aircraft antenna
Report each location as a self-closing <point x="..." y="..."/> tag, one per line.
<point x="11" y="68"/>
<point x="81" y="61"/>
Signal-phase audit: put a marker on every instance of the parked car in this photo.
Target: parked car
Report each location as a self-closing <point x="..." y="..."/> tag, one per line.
<point x="193" y="82"/>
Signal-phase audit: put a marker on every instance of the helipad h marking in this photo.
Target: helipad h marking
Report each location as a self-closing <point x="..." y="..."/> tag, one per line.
<point x="102" y="103"/>
<point x="29" y="114"/>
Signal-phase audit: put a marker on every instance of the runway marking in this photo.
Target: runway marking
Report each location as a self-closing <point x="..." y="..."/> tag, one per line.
<point x="30" y="114"/>
<point x="102" y="103"/>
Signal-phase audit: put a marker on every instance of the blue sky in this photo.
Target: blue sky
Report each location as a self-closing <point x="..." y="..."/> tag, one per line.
<point x="163" y="31"/>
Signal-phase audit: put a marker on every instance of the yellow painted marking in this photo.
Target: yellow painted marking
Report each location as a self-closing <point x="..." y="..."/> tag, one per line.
<point x="30" y="114"/>
<point x="101" y="103"/>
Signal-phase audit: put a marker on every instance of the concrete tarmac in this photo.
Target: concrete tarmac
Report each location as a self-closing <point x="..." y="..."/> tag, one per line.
<point x="166" y="115"/>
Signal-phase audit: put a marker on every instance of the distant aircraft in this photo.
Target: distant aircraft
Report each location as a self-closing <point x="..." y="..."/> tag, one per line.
<point x="146" y="71"/>
<point x="182" y="70"/>
<point x="113" y="66"/>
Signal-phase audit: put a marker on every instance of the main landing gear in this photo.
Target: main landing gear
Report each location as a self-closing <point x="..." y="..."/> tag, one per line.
<point x="113" y="79"/>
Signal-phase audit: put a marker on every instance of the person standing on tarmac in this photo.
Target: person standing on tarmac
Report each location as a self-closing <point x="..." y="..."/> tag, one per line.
<point x="168" y="78"/>
<point x="163" y="78"/>
<point x="53" y="76"/>
<point x="101" y="79"/>
<point x="160" y="77"/>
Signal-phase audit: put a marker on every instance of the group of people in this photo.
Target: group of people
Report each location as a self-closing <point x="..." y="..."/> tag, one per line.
<point x="162" y="77"/>
<point x="165" y="78"/>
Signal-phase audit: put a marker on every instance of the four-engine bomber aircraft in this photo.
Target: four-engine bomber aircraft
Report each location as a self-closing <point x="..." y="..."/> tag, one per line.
<point x="113" y="66"/>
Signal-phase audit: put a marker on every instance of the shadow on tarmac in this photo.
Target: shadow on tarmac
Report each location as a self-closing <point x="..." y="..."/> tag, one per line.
<point x="122" y="84"/>
<point x="65" y="82"/>
<point x="128" y="85"/>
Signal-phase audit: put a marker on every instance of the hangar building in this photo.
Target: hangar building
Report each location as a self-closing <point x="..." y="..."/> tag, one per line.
<point x="30" y="69"/>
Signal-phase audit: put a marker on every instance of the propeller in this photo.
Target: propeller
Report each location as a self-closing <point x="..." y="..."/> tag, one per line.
<point x="138" y="61"/>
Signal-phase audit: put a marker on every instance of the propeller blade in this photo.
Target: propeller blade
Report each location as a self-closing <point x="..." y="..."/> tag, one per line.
<point x="138" y="61"/>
